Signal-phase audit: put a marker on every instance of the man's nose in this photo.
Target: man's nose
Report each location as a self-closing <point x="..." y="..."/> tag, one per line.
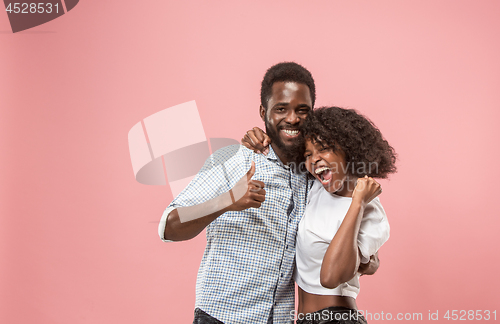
<point x="292" y="118"/>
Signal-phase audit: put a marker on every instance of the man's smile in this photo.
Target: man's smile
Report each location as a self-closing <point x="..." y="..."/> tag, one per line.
<point x="290" y="132"/>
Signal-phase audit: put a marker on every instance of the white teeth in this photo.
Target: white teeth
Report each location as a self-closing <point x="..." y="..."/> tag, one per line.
<point x="291" y="132"/>
<point x="321" y="169"/>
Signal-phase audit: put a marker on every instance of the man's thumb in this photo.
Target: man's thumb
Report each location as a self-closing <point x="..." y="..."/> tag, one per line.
<point x="251" y="172"/>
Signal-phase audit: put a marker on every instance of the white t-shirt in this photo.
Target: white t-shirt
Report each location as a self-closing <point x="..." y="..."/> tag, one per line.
<point x="322" y="218"/>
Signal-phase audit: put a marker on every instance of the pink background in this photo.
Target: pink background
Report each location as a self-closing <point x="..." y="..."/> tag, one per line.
<point x="78" y="234"/>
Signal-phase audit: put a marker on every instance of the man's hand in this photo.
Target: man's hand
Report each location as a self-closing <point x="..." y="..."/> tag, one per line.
<point x="184" y="223"/>
<point x="248" y="193"/>
<point x="370" y="267"/>
<point x="257" y="141"/>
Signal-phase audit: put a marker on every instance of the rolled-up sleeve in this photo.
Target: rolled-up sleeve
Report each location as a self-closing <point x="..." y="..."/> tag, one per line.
<point x="374" y="230"/>
<point x="163" y="223"/>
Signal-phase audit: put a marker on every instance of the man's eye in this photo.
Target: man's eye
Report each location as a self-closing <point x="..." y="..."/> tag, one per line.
<point x="306" y="156"/>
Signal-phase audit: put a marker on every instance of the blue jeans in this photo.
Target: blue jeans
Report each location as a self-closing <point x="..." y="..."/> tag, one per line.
<point x="200" y="317"/>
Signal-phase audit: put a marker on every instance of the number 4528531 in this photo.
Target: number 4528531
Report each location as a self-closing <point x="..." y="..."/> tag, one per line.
<point x="462" y="315"/>
<point x="32" y="8"/>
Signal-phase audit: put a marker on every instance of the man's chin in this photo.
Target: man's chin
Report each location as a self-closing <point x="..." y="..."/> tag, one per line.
<point x="290" y="142"/>
<point x="286" y="146"/>
<point x="290" y="151"/>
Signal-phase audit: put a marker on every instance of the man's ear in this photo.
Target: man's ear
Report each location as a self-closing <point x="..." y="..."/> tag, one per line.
<point x="262" y="112"/>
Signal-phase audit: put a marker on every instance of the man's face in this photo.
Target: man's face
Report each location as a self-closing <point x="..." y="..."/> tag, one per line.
<point x="287" y="109"/>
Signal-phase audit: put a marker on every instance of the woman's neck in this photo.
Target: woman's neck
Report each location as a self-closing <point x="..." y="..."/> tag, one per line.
<point x="347" y="188"/>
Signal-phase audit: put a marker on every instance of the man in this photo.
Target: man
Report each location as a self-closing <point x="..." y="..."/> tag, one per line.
<point x="245" y="275"/>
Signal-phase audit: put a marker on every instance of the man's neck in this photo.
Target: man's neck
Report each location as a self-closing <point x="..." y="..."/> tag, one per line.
<point x="279" y="153"/>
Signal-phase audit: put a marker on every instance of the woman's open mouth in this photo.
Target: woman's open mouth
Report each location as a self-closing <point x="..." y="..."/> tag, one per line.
<point x="324" y="174"/>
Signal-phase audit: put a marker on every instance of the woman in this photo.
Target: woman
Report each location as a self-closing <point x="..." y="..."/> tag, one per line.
<point x="344" y="222"/>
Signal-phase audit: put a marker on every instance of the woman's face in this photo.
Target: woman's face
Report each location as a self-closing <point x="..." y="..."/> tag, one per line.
<point x="325" y="165"/>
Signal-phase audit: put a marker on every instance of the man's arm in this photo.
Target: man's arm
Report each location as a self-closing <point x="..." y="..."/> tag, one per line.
<point x="175" y="230"/>
<point x="184" y="223"/>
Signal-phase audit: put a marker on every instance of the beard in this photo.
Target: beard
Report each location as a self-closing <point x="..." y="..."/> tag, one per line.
<point x="291" y="152"/>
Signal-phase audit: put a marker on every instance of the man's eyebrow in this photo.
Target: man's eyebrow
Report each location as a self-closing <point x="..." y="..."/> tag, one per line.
<point x="281" y="104"/>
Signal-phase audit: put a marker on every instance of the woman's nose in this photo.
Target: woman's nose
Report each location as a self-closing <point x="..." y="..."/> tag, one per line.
<point x="315" y="157"/>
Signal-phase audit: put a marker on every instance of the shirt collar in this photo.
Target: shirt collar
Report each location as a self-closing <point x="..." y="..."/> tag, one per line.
<point x="272" y="156"/>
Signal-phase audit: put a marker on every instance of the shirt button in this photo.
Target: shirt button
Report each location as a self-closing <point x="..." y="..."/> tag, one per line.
<point x="287" y="246"/>
<point x="281" y="275"/>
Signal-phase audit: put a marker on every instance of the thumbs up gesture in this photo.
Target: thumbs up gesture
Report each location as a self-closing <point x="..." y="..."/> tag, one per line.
<point x="248" y="193"/>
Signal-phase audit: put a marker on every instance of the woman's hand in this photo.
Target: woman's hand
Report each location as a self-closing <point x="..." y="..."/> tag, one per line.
<point x="256" y="140"/>
<point x="366" y="190"/>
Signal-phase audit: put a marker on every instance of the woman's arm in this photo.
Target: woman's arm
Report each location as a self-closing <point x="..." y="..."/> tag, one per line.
<point x="342" y="258"/>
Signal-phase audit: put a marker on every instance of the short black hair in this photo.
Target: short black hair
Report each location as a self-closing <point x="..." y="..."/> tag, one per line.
<point x="286" y="72"/>
<point x="358" y="138"/>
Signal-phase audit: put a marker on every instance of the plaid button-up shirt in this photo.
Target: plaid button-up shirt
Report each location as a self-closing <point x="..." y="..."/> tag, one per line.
<point x="246" y="273"/>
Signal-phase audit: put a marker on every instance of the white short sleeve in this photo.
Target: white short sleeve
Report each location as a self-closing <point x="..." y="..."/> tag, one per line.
<point x="374" y="230"/>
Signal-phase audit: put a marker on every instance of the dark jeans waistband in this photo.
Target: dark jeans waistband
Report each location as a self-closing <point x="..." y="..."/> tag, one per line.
<point x="200" y="317"/>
